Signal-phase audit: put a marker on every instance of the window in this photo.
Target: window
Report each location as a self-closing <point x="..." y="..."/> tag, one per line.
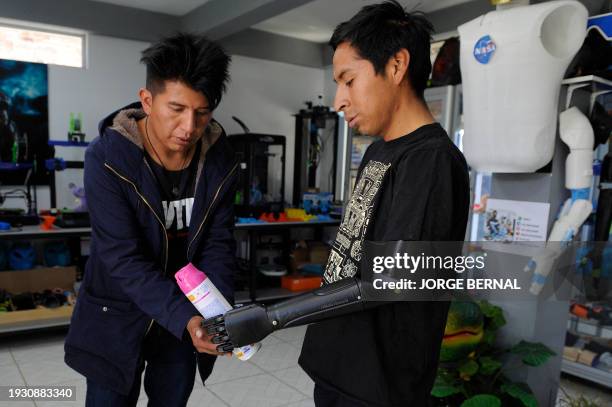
<point x="44" y="47"/>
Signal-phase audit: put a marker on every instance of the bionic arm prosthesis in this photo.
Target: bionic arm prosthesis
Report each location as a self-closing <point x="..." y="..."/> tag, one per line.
<point x="252" y="323"/>
<point x="575" y="131"/>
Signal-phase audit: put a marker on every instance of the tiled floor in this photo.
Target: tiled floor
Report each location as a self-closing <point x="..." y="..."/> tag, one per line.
<point x="271" y="378"/>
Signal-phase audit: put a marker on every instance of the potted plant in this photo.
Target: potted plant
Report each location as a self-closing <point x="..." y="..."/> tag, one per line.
<point x="472" y="370"/>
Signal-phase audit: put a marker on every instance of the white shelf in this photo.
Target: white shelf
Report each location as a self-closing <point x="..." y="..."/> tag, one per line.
<point x="587" y="79"/>
<point x="594" y="84"/>
<point x="587" y="372"/>
<point x="34" y="319"/>
<point x="34" y="231"/>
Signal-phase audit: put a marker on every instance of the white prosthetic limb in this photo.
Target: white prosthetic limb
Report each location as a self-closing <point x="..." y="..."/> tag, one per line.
<point x="575" y="131"/>
<point x="572" y="216"/>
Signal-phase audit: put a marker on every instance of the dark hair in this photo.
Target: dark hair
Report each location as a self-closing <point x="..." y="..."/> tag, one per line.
<point x="192" y="59"/>
<point x="379" y="31"/>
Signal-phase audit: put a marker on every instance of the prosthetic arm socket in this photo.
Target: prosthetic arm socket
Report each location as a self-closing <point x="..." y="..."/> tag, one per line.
<point x="575" y="130"/>
<point x="252" y="323"/>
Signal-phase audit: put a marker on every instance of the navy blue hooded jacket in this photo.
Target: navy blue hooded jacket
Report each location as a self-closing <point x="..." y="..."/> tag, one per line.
<point x="126" y="285"/>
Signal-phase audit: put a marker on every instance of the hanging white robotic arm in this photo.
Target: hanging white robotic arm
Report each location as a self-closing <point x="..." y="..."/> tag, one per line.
<point x="575" y="131"/>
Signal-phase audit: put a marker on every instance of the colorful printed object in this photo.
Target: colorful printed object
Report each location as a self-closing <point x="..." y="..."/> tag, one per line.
<point x="463" y="332"/>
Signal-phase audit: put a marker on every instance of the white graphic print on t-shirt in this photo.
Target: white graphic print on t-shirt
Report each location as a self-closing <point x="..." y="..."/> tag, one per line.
<point x="346" y="252"/>
<point x="178" y="212"/>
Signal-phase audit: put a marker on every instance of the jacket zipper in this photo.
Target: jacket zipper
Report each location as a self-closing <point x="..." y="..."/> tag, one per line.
<point x="162" y="224"/>
<point x="156" y="217"/>
<point x="209" y="207"/>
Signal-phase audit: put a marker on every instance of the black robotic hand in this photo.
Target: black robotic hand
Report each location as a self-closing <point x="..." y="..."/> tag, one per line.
<point x="252" y="323"/>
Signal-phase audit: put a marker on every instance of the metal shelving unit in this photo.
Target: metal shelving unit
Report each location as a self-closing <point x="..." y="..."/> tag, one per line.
<point x="587" y="372"/>
<point x="590" y="373"/>
<point x="42" y="318"/>
<point x="595" y="87"/>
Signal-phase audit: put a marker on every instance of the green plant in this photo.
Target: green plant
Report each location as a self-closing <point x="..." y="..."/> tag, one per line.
<point x="479" y="380"/>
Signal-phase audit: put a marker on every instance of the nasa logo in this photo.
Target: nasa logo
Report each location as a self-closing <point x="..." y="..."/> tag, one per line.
<point x="484" y="49"/>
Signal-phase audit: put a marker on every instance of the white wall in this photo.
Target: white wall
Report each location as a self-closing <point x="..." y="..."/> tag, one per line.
<point x="329" y="86"/>
<point x="265" y="95"/>
<point x="111" y="80"/>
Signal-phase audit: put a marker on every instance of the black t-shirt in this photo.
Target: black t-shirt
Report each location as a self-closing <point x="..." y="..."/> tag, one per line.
<point x="415" y="187"/>
<point x="177" y="190"/>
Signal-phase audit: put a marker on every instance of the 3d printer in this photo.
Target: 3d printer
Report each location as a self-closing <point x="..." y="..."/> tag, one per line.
<point x="316" y="151"/>
<point x="261" y="183"/>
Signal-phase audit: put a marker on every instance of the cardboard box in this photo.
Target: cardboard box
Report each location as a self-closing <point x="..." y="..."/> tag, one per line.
<point x="319" y="253"/>
<point x="298" y="256"/>
<point x="306" y="253"/>
<point x="38" y="279"/>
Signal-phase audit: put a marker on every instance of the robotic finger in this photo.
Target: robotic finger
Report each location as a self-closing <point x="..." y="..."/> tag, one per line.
<point x="215" y="327"/>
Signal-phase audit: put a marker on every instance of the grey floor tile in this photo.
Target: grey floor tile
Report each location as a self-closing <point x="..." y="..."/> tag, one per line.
<point x="277" y="357"/>
<point x="291" y="334"/>
<point x="303" y="403"/>
<point x="10" y="375"/>
<point x="142" y="395"/>
<point x="200" y="397"/>
<point x="297" y="343"/>
<point x="256" y="391"/>
<point x="230" y="369"/>
<point x="296" y="378"/>
<point x="270" y="340"/>
<point x="47" y="372"/>
<point x="5" y="357"/>
<point x="32" y="353"/>
<point x="17" y="404"/>
<point x="203" y="398"/>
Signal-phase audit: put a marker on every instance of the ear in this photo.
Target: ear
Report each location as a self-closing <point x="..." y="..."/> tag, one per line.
<point x="397" y="66"/>
<point x="146" y="99"/>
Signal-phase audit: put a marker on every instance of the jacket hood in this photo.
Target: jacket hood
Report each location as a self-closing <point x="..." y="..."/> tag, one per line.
<point x="124" y="121"/>
<point x="120" y="129"/>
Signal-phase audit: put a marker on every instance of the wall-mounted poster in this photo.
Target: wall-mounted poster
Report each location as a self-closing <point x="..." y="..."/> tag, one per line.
<point x="516" y="221"/>
<point x="24" y="120"/>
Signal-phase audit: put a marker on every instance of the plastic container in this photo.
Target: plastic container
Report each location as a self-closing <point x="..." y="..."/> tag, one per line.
<point x="208" y="301"/>
<point x="300" y="283"/>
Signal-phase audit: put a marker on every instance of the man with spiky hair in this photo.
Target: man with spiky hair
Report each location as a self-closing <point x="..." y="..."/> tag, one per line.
<point x="155" y="207"/>
<point x="412" y="185"/>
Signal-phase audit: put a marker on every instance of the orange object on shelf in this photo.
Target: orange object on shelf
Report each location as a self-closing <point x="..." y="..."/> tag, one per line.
<point x="267" y="217"/>
<point x="299" y="282"/>
<point x="47" y="223"/>
<point x="580" y="311"/>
